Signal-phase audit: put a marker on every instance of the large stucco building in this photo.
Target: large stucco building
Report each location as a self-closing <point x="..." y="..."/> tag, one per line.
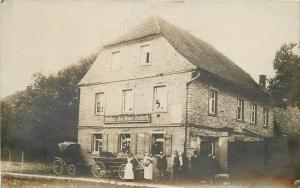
<point x="159" y="88"/>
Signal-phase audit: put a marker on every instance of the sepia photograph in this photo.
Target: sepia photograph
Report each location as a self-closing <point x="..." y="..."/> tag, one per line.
<point x="150" y="94"/>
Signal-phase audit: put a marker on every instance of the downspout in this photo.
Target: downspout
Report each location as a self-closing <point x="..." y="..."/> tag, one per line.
<point x="186" y="109"/>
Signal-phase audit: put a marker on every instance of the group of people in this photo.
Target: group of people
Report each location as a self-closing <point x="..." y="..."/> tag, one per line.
<point x="203" y="165"/>
<point x="148" y="164"/>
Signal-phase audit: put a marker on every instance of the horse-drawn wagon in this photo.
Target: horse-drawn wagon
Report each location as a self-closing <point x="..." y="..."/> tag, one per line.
<point x="104" y="163"/>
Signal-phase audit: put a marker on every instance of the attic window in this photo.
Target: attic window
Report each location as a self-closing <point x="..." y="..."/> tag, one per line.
<point x="115" y="61"/>
<point x="145" y="54"/>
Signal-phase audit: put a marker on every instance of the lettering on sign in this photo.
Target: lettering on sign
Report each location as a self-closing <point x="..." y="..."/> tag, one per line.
<point x="128" y="118"/>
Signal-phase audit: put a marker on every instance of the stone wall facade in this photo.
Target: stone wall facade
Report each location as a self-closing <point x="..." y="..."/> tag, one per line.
<point x="185" y="122"/>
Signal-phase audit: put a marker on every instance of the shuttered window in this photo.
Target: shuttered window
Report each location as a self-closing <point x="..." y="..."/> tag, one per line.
<point x="115" y="61"/>
<point x="160" y="98"/>
<point x="145" y="54"/>
<point x="97" y="143"/>
<point x="125" y="141"/>
<point x="99" y="103"/>
<point x="127" y="101"/>
<point x="158" y="143"/>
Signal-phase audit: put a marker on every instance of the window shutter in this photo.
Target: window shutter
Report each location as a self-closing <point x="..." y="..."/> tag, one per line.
<point x="116" y="143"/>
<point x="133" y="146"/>
<point x="105" y="142"/>
<point x="168" y="144"/>
<point x="89" y="143"/>
<point x="147" y="143"/>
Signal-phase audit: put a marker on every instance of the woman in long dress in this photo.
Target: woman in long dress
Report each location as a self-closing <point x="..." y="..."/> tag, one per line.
<point x="128" y="174"/>
<point x="148" y="167"/>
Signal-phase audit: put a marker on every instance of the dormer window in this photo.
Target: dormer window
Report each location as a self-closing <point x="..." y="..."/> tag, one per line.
<point x="115" y="61"/>
<point x="145" y="54"/>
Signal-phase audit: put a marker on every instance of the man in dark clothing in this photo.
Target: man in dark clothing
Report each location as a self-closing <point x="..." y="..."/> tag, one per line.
<point x="184" y="168"/>
<point x="176" y="165"/>
<point x="215" y="166"/>
<point x="162" y="164"/>
<point x="195" y="164"/>
<point x="204" y="166"/>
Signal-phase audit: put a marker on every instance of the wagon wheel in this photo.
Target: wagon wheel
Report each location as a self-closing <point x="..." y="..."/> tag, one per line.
<point x="121" y="171"/>
<point x="58" y="167"/>
<point x="98" y="169"/>
<point x="71" y="169"/>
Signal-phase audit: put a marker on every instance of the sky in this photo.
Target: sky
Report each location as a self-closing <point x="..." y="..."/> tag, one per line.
<point x="46" y="36"/>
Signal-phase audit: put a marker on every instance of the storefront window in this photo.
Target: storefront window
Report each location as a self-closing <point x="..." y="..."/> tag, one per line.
<point x="157" y="143"/>
<point x="125" y="141"/>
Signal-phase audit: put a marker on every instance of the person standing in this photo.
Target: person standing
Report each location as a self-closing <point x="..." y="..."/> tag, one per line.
<point x="128" y="174"/>
<point x="195" y="164"/>
<point x="176" y="165"/>
<point x="162" y="164"/>
<point x="184" y="165"/>
<point x="148" y="167"/>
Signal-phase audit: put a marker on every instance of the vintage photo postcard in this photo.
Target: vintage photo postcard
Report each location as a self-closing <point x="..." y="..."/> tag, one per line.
<point x="130" y="93"/>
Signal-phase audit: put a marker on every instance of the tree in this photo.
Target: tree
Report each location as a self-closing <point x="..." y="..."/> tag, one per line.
<point x="285" y="86"/>
<point x="45" y="113"/>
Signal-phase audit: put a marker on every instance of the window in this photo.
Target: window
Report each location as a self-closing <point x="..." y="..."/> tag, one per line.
<point x="115" y="61"/>
<point x="127" y="102"/>
<point x="97" y="143"/>
<point x="99" y="103"/>
<point x="265" y="117"/>
<point x="253" y="113"/>
<point x="212" y="102"/>
<point x="145" y="55"/>
<point x="157" y="143"/>
<point x="160" y="98"/>
<point x="125" y="141"/>
<point x="240" y="110"/>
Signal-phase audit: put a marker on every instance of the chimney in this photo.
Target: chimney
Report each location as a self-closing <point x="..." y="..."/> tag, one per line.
<point x="262" y="81"/>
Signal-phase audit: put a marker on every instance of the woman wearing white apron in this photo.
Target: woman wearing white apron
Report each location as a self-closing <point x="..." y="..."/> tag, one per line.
<point x="148" y="167"/>
<point x="128" y="174"/>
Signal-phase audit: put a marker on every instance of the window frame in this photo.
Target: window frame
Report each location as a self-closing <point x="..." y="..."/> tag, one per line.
<point x="120" y="140"/>
<point x="154" y="110"/>
<point x="242" y="109"/>
<point x="215" y="101"/>
<point x="104" y="102"/>
<point x="142" y="61"/>
<point x="112" y="61"/>
<point x="265" y="122"/>
<point x="101" y="141"/>
<point x="255" y="114"/>
<point x="122" y="102"/>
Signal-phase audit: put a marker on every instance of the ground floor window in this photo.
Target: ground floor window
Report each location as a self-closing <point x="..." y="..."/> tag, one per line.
<point x="125" y="141"/>
<point x="97" y="143"/>
<point x="208" y="147"/>
<point x="158" y="141"/>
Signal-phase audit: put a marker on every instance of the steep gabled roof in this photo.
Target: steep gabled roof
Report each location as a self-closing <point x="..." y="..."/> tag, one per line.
<point x="196" y="51"/>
